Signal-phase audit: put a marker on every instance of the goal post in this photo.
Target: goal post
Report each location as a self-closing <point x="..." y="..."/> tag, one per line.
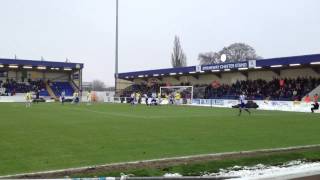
<point x="186" y="93"/>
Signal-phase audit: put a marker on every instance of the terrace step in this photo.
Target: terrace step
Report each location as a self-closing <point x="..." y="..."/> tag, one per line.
<point x="50" y="91"/>
<point x="314" y="92"/>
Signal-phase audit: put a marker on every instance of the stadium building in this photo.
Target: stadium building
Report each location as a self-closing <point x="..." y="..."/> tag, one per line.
<point x="277" y="79"/>
<point x="47" y="78"/>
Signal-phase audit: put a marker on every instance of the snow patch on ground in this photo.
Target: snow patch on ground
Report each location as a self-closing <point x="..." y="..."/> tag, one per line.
<point x="172" y="175"/>
<point x="261" y="171"/>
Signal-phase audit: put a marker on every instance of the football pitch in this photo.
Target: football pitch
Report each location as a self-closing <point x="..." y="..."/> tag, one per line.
<point x="54" y="136"/>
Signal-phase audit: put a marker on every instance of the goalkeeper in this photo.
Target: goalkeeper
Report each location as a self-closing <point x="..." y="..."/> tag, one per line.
<point x="178" y="98"/>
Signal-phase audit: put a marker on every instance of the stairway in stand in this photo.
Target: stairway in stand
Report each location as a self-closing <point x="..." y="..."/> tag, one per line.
<point x="50" y="91"/>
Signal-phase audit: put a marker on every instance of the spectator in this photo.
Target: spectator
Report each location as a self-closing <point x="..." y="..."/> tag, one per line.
<point x="307" y="99"/>
<point x="316" y="98"/>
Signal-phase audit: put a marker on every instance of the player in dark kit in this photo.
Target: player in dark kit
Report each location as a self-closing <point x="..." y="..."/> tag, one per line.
<point x="62" y="98"/>
<point x="315" y="106"/>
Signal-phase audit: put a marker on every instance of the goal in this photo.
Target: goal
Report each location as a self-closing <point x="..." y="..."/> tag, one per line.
<point x="186" y="93"/>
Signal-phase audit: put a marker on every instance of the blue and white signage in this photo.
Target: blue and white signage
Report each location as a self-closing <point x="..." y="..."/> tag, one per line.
<point x="198" y="68"/>
<point x="225" y="66"/>
<point x="252" y="63"/>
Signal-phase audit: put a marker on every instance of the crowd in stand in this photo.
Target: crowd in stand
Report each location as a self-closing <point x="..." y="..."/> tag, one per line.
<point x="11" y="87"/>
<point x="276" y="89"/>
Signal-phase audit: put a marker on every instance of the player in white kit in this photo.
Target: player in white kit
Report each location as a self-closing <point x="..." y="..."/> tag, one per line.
<point x="89" y="98"/>
<point x="242" y="106"/>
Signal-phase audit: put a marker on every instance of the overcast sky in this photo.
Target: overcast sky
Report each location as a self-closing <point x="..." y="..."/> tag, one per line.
<point x="84" y="30"/>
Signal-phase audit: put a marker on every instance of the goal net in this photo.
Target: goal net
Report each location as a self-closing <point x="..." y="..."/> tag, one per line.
<point x="176" y="94"/>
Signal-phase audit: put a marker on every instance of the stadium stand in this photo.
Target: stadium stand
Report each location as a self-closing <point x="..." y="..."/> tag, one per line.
<point x="59" y="87"/>
<point x="284" y="79"/>
<point x="12" y="87"/>
<point x="22" y="76"/>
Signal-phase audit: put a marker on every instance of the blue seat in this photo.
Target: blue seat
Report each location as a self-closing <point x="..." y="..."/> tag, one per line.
<point x="59" y="87"/>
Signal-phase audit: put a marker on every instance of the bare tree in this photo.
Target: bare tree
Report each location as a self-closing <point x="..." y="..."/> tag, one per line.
<point x="209" y="58"/>
<point x="239" y="52"/>
<point x="235" y="52"/>
<point x="178" y="57"/>
<point x="98" y="85"/>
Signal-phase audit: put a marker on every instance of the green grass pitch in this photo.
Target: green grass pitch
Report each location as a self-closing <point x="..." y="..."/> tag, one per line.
<point x="52" y="136"/>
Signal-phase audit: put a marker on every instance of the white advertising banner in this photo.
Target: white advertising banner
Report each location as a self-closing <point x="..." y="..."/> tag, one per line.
<point x="12" y="98"/>
<point x="294" y="106"/>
